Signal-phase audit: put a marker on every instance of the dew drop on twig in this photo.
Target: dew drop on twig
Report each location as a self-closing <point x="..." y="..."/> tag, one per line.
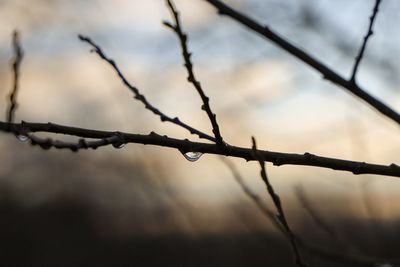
<point x="22" y="137"/>
<point x="118" y="145"/>
<point x="192" y="156"/>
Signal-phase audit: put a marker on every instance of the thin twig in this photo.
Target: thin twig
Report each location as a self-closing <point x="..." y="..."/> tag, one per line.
<point x="310" y="60"/>
<point x="277" y="158"/>
<point x="139" y="96"/>
<point x="16" y="63"/>
<point x="364" y="44"/>
<point x="278" y="204"/>
<point x="191" y="76"/>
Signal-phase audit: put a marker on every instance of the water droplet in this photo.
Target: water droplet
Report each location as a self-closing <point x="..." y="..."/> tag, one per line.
<point x="192" y="156"/>
<point x="118" y="145"/>
<point x="23" y="137"/>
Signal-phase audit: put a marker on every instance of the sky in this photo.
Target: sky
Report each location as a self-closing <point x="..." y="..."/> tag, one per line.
<point x="255" y="88"/>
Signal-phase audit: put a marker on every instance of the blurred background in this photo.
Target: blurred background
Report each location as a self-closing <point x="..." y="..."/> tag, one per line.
<point x="148" y="206"/>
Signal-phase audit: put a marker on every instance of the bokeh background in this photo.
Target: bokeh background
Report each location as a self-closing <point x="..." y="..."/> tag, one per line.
<point x="148" y="206"/>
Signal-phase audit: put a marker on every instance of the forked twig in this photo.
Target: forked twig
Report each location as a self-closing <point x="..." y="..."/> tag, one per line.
<point x="191" y="76"/>
<point x="139" y="96"/>
<point x="307" y="58"/>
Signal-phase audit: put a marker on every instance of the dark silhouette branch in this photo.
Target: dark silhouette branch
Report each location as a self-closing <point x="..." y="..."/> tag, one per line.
<point x="364" y="44"/>
<point x="277" y="158"/>
<point x="47" y="143"/>
<point x="93" y="139"/>
<point x="139" y="96"/>
<point x="278" y="205"/>
<point x="191" y="76"/>
<point x="16" y="63"/>
<point x="310" y="60"/>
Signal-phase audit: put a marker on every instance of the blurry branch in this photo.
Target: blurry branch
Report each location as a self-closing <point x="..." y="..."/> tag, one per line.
<point x="89" y="138"/>
<point x="318" y="251"/>
<point x="310" y="60"/>
<point x="303" y="200"/>
<point x="277" y="158"/>
<point x="268" y="213"/>
<point x="278" y="205"/>
<point x="138" y="95"/>
<point x="16" y="63"/>
<point x="191" y="76"/>
<point x="319" y="221"/>
<point x="364" y="44"/>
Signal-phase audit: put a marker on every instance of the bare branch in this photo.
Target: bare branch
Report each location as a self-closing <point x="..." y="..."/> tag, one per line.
<point x="191" y="76"/>
<point x="310" y="60"/>
<point x="364" y="44"/>
<point x="116" y="141"/>
<point x="277" y="158"/>
<point x="139" y="96"/>
<point x="16" y="63"/>
<point x="278" y="204"/>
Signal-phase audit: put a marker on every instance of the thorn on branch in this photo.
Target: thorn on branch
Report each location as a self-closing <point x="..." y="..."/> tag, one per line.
<point x="168" y="24"/>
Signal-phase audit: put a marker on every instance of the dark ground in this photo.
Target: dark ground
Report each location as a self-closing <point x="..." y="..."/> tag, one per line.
<point x="62" y="233"/>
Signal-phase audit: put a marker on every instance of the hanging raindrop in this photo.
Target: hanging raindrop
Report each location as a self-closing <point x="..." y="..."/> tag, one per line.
<point x="192" y="156"/>
<point x="118" y="145"/>
<point x="22" y="137"/>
